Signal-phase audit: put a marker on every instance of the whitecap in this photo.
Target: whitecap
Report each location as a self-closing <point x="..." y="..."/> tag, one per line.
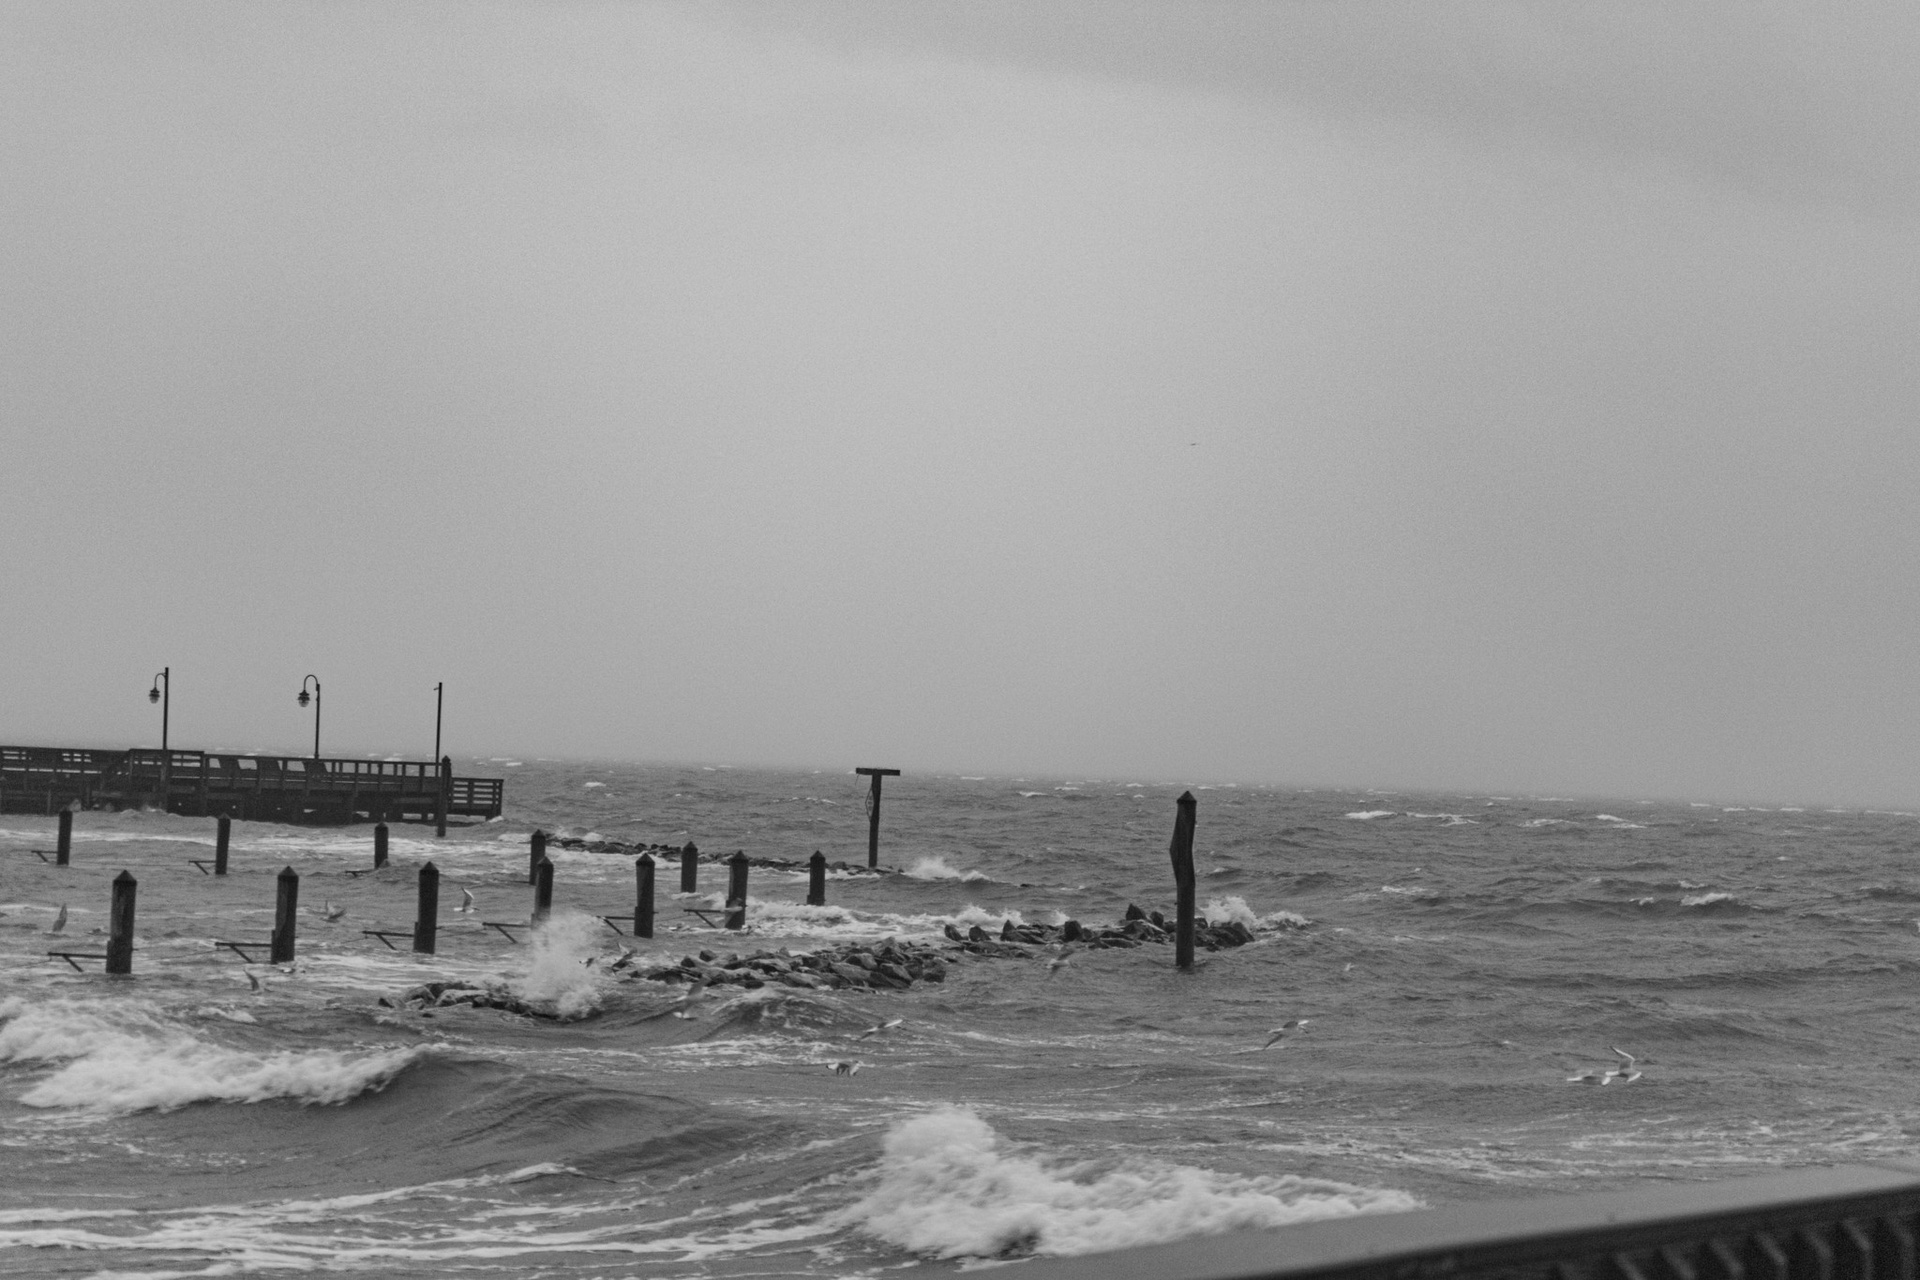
<point x="1363" y="815"/>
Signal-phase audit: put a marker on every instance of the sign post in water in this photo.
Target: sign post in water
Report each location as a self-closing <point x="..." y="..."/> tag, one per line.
<point x="873" y="812"/>
<point x="1182" y="851"/>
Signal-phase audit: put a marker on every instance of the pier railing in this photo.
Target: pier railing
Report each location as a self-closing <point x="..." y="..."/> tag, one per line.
<point x="282" y="788"/>
<point x="1856" y="1222"/>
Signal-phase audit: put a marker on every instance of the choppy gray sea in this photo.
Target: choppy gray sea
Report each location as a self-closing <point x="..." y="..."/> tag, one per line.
<point x="1457" y="959"/>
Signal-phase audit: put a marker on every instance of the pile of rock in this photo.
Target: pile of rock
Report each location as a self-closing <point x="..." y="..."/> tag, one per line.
<point x="886" y="965"/>
<point x="1135" y="928"/>
<point x="664" y="852"/>
<point x="441" y="995"/>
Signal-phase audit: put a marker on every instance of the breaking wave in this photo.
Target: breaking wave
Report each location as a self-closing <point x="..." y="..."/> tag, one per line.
<point x="116" y="1058"/>
<point x="937" y="868"/>
<point x="948" y="1187"/>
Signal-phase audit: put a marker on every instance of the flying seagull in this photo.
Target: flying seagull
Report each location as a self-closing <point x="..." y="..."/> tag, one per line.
<point x="59" y="921"/>
<point x="1607" y="1075"/>
<point x="693" y="993"/>
<point x="333" y="912"/>
<point x="466" y="901"/>
<point x="878" y="1027"/>
<point x="252" y="981"/>
<point x="1284" y="1030"/>
<point x="846" y="1068"/>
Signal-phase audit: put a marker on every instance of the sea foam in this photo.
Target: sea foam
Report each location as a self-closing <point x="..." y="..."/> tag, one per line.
<point x="1234" y="908"/>
<point x="948" y="1187"/>
<point x="122" y="1057"/>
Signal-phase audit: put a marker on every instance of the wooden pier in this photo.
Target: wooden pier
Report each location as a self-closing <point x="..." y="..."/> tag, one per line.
<point x="298" y="789"/>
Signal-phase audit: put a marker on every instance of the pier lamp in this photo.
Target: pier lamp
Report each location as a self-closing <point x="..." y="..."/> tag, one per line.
<point x="303" y="699"/>
<point x="162" y="693"/>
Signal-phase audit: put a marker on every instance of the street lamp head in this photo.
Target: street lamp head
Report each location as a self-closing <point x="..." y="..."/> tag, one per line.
<point x="304" y="698"/>
<point x="153" y="694"/>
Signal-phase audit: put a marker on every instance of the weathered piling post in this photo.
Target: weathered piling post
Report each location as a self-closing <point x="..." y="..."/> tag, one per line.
<point x="737" y="890"/>
<point x="283" y="918"/>
<point x="689" y="868"/>
<point x="643" y="897"/>
<point x="817" y="879"/>
<point x="64" y="850"/>
<point x="223" y="836"/>
<point x="536" y="854"/>
<point x="1182" y="851"/>
<point x="379" y="845"/>
<point x="443" y="795"/>
<point x="873" y="812"/>
<point x="426" y="918"/>
<point x="120" y="924"/>
<point x="543" y="893"/>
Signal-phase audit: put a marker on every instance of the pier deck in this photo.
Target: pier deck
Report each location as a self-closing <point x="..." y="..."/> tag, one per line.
<point x="273" y="788"/>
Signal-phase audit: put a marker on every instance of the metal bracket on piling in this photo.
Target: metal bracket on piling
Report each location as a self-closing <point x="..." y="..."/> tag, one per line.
<point x="506" y="928"/>
<point x="45" y="855"/>
<point x="240" y="949"/>
<point x="71" y="956"/>
<point x="609" y="920"/>
<point x="385" y="934"/>
<point x="206" y="868"/>
<point x="707" y="914"/>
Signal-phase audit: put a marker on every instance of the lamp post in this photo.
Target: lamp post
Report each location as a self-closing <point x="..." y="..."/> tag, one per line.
<point x="162" y="693"/>
<point x="439" y="697"/>
<point x="316" y="710"/>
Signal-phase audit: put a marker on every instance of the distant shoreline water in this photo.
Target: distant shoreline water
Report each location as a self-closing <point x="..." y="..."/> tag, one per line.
<point x="1455" y="959"/>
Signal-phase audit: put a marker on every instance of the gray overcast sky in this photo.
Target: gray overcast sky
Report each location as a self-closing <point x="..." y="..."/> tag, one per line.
<point x="1496" y="396"/>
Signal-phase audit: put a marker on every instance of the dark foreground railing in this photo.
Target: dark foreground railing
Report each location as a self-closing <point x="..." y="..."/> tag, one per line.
<point x="1856" y="1222"/>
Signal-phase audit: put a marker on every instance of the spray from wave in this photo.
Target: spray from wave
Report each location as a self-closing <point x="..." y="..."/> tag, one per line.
<point x="557" y="980"/>
<point x="948" y="1188"/>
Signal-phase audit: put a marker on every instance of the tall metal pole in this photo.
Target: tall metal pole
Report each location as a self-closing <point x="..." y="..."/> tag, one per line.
<point x="439" y="695"/>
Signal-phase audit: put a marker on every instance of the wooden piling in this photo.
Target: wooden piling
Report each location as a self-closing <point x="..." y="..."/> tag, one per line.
<point x="223" y="836"/>
<point x="283" y="917"/>
<point x="543" y="892"/>
<point x="536" y="854"/>
<point x="817" y="879"/>
<point x="64" y="850"/>
<point x="873" y="812"/>
<point x="1182" y="851"/>
<point x="120" y="924"/>
<point x="379" y="845"/>
<point x="737" y="890"/>
<point x="689" y="868"/>
<point x="426" y="918"/>
<point x="443" y="796"/>
<point x="643" y="897"/>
